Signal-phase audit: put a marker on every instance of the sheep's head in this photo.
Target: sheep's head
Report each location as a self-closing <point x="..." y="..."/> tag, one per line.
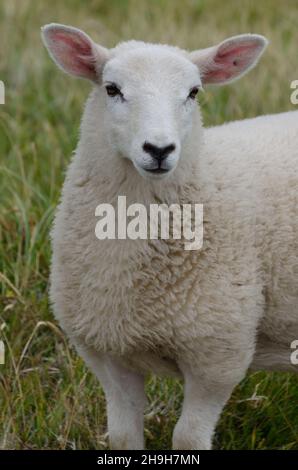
<point x="150" y="90"/>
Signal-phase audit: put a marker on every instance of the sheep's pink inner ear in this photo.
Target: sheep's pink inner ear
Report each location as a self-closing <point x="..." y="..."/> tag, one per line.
<point x="231" y="59"/>
<point x="73" y="51"/>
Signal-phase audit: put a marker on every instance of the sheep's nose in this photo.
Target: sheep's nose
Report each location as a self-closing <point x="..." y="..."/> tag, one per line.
<point x="159" y="153"/>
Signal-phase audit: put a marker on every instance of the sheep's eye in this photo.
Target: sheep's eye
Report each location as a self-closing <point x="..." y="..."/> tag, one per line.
<point x="193" y="92"/>
<point x="113" y="90"/>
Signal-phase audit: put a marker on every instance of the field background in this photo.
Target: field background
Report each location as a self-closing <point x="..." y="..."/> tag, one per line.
<point x="48" y="399"/>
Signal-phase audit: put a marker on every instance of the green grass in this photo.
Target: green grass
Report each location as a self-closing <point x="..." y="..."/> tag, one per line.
<point x="48" y="399"/>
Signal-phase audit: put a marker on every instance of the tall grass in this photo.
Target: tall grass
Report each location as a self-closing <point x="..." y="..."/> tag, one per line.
<point x="47" y="397"/>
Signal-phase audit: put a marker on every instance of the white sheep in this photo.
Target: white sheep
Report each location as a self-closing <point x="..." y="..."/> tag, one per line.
<point x="135" y="306"/>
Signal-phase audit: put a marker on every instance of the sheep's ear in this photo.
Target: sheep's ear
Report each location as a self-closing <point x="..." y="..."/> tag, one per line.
<point x="230" y="59"/>
<point x="74" y="52"/>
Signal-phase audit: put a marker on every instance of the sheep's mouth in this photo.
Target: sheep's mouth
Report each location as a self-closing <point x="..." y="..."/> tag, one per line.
<point x="153" y="173"/>
<point x="158" y="171"/>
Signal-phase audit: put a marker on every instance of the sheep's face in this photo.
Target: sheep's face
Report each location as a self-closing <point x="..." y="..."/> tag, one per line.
<point x="149" y="90"/>
<point x="149" y="106"/>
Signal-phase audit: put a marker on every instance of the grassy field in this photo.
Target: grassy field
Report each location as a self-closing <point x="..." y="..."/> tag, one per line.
<point x="48" y="399"/>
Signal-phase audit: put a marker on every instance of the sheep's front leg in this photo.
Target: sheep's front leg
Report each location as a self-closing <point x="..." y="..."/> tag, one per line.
<point x="202" y="405"/>
<point x="124" y="391"/>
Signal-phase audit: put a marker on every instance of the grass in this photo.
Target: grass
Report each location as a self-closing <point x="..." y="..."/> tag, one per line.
<point x="48" y="399"/>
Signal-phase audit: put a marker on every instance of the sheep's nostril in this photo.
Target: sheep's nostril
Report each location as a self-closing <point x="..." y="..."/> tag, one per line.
<point x="159" y="153"/>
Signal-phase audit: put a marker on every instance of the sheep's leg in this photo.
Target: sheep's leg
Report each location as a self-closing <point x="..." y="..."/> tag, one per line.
<point x="124" y="391"/>
<point x="202" y="405"/>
